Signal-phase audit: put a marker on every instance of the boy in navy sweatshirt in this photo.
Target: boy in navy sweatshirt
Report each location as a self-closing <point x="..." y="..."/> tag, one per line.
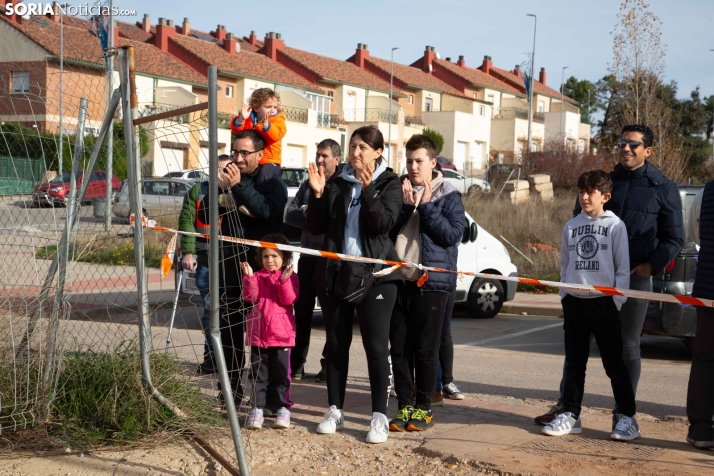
<point x="594" y="252"/>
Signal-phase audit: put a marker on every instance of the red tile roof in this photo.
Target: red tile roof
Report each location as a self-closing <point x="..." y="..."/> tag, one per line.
<point x="242" y="63"/>
<point x="476" y="76"/>
<point x="538" y="87"/>
<point x="413" y="76"/>
<point x="132" y="31"/>
<point x="81" y="44"/>
<point x="336" y="70"/>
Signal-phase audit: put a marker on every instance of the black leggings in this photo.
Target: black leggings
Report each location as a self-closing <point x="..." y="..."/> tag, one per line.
<point x="374" y="314"/>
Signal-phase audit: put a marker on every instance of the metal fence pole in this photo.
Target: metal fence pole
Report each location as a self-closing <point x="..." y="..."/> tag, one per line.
<point x="213" y="269"/>
<point x="63" y="249"/>
<point x="129" y="104"/>
<point x="110" y="138"/>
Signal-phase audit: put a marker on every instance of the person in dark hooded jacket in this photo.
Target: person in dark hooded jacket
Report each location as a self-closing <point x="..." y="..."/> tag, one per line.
<point x="428" y="231"/>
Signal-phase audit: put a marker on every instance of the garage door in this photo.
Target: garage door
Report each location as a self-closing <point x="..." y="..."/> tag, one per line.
<point x="170" y="160"/>
<point x="478" y="156"/>
<point x="460" y="155"/>
<point x="293" y="156"/>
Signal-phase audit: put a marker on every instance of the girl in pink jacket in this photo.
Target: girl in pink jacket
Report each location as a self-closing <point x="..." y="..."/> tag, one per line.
<point x="270" y="330"/>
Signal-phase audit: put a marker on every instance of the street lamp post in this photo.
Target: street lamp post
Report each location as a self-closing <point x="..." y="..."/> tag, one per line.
<point x="391" y="83"/>
<point x="530" y="90"/>
<point x="562" y="105"/>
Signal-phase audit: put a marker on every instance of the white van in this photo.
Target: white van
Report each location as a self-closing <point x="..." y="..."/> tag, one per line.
<point x="479" y="252"/>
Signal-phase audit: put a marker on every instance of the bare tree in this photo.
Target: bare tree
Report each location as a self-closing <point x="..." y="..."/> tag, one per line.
<point x="638" y="69"/>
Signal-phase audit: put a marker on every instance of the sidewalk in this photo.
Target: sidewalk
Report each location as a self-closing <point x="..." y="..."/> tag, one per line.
<point x="534" y="305"/>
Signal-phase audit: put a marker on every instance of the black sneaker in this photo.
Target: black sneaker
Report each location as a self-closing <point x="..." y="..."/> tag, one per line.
<point x="207" y="367"/>
<point x="299" y="373"/>
<point x="401" y="419"/>
<point x="421" y="420"/>
<point x="551" y="415"/>
<point x="703" y="440"/>
<point x="321" y="376"/>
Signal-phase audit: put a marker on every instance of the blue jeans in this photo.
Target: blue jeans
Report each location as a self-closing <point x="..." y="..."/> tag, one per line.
<point x="632" y="315"/>
<point x="202" y="285"/>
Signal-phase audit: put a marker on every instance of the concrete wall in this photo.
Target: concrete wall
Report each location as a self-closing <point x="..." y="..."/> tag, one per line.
<point x="18" y="47"/>
<point x="571" y="126"/>
<point x="472" y="130"/>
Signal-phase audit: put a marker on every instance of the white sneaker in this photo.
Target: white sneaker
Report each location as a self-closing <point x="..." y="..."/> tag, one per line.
<point x="255" y="419"/>
<point x="283" y="418"/>
<point x="333" y="421"/>
<point x="378" y="431"/>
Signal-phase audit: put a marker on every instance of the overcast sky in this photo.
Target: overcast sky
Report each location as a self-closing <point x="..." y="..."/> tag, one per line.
<point x="573" y="33"/>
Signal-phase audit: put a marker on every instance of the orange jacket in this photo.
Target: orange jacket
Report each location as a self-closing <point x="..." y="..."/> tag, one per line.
<point x="272" y="134"/>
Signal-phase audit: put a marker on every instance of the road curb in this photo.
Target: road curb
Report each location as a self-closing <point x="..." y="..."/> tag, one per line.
<point x="525" y="309"/>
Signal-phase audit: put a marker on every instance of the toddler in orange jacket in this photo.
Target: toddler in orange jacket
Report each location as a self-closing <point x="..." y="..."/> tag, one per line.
<point x="263" y="115"/>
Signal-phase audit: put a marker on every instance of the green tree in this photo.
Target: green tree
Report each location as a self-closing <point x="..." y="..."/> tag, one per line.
<point x="436" y="137"/>
<point x="585" y="93"/>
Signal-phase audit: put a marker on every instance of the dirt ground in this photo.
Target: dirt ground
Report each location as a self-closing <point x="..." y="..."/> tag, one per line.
<point x="483" y="434"/>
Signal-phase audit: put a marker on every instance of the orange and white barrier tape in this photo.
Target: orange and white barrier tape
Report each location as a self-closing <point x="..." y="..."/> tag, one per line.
<point x="394" y="265"/>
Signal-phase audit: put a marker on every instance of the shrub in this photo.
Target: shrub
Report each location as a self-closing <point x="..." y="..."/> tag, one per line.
<point x="436" y="137"/>
<point x="564" y="165"/>
<point x="102" y="400"/>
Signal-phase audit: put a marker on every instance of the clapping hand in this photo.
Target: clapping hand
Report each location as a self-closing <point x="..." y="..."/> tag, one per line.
<point x="288" y="271"/>
<point x="316" y="179"/>
<point x="246" y="269"/>
<point x="367" y="174"/>
<point x="426" y="196"/>
<point x="232" y="175"/>
<point x="409" y="195"/>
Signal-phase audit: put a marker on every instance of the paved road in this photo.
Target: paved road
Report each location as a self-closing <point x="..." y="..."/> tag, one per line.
<point x="522" y="356"/>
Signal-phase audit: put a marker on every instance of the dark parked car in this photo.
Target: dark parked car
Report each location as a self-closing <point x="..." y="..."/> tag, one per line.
<point x="57" y="190"/>
<point x="670" y="319"/>
<point x="445" y="163"/>
<point x="496" y="174"/>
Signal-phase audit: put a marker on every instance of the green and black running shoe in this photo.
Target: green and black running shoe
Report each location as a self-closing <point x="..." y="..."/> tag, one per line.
<point x="421" y="420"/>
<point x="399" y="422"/>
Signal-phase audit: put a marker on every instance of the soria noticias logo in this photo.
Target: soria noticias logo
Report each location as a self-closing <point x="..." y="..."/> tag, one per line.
<point x="23" y="9"/>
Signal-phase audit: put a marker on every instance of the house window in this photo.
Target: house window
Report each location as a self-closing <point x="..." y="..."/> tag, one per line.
<point x="428" y="104"/>
<point x="482" y="111"/>
<point x="20" y="81"/>
<point x="541" y="106"/>
<point x="229" y="91"/>
<point x="330" y="94"/>
<point x="475" y="96"/>
<point x="319" y="103"/>
<point x="490" y="98"/>
<point x="411" y="99"/>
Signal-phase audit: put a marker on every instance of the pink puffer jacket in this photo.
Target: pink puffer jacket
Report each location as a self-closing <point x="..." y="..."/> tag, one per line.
<point x="271" y="322"/>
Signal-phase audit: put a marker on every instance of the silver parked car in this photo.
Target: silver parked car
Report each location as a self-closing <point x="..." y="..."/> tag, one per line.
<point x="160" y="196"/>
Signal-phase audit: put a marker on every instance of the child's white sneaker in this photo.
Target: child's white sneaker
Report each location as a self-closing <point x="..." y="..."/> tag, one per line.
<point x="283" y="418"/>
<point x="378" y="430"/>
<point x="255" y="419"/>
<point x="334" y="420"/>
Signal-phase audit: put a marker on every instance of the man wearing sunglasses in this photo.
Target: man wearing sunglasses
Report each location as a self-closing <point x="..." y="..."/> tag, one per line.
<point x="651" y="208"/>
<point x="263" y="193"/>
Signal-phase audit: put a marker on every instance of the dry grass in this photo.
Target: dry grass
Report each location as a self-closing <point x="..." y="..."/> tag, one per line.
<point x="528" y="222"/>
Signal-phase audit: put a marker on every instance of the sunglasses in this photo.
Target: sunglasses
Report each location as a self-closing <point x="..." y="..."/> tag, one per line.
<point x="243" y="153"/>
<point x="632" y="143"/>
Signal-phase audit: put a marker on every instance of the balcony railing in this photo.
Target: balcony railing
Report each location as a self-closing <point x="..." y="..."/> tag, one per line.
<point x="517" y="113"/>
<point x="328" y="120"/>
<point x="369" y="115"/>
<point x="157" y="108"/>
<point x="413" y="121"/>
<point x="294" y="114"/>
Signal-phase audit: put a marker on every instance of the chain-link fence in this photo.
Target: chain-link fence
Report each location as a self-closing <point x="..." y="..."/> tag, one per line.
<point x="77" y="315"/>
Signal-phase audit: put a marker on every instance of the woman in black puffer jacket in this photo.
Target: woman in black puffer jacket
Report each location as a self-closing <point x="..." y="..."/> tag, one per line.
<point x="356" y="211"/>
